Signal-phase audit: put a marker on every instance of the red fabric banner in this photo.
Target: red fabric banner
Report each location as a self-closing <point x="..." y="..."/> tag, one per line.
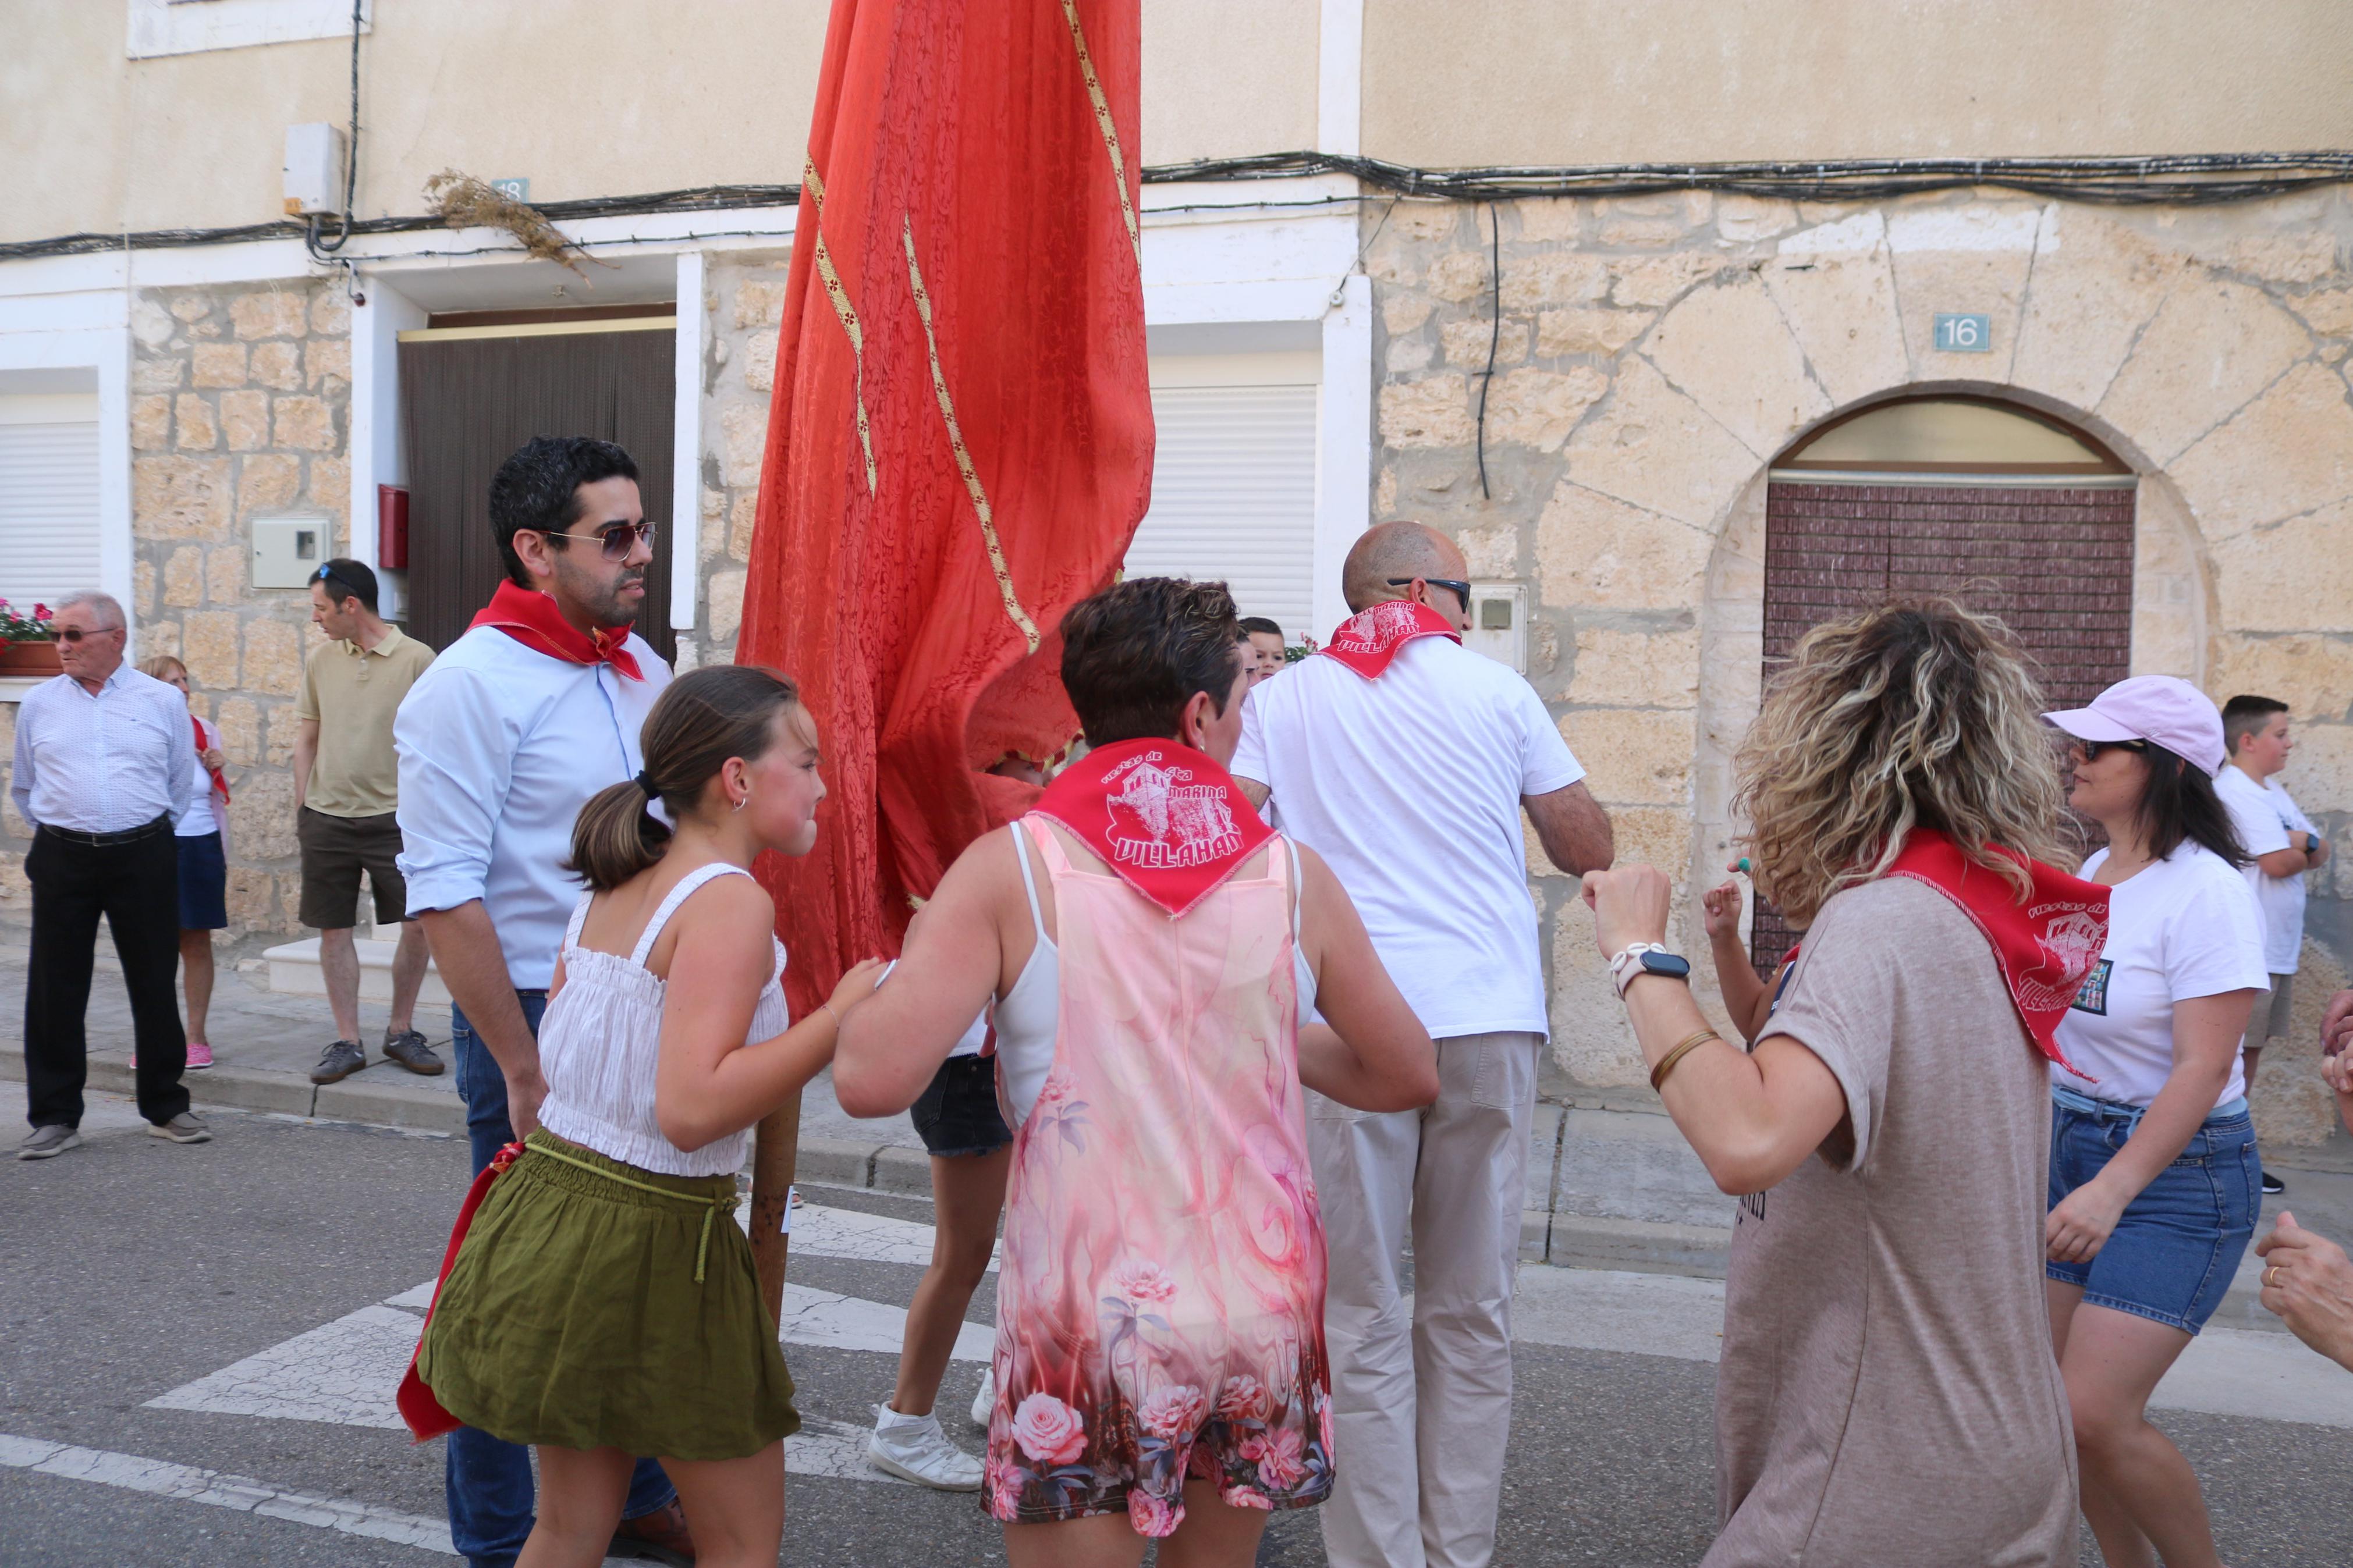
<point x="960" y="444"/>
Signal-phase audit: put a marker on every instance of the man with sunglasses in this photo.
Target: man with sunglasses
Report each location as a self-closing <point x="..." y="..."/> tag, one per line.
<point x="500" y="743"/>
<point x="346" y="791"/>
<point x="1406" y="761"/>
<point x="104" y="760"/>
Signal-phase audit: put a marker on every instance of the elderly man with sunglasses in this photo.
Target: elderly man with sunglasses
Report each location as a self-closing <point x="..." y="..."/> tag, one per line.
<point x="346" y="793"/>
<point x="1406" y="760"/>
<point x="104" y="760"/>
<point x="500" y="743"/>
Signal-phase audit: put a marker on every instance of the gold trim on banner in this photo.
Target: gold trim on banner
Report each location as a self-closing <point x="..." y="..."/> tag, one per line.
<point x="1110" y="132"/>
<point x="964" y="456"/>
<point x="848" y="313"/>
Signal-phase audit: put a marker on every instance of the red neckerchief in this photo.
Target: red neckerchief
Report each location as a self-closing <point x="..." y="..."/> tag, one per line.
<point x="1167" y="819"/>
<point x="220" y="779"/>
<point x="531" y="618"/>
<point x="2046" y="945"/>
<point x="413" y="1398"/>
<point x="1366" y="642"/>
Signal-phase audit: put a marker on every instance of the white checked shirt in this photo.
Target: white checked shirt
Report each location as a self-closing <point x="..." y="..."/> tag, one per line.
<point x="500" y="747"/>
<point x="107" y="763"/>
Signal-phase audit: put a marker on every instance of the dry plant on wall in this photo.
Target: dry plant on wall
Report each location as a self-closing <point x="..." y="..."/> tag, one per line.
<point x="465" y="202"/>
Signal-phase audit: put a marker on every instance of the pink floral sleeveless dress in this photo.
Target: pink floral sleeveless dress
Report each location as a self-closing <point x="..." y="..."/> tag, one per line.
<point x="1160" y="1305"/>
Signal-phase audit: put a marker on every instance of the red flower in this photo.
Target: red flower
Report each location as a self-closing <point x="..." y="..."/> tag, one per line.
<point x="1049" y="1431"/>
<point x="40" y="612"/>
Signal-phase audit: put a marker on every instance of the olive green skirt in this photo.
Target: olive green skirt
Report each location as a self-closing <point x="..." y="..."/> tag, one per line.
<point x="573" y="1317"/>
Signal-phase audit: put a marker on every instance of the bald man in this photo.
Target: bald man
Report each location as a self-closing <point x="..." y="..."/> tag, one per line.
<point x="1405" y="759"/>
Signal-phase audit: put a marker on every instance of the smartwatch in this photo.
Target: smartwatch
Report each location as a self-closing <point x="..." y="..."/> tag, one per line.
<point x="1647" y="958"/>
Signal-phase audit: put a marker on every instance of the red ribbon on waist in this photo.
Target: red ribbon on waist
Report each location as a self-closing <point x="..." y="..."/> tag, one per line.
<point x="423" y="1412"/>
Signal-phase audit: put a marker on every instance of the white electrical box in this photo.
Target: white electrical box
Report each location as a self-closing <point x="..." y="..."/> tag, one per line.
<point x="1499" y="623"/>
<point x="286" y="550"/>
<point x="314" y="169"/>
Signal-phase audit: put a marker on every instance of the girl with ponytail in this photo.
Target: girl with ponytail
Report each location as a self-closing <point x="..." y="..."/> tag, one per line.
<point x="602" y="1304"/>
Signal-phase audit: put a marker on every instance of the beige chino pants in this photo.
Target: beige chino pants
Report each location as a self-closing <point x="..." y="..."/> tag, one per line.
<point x="1422" y="1403"/>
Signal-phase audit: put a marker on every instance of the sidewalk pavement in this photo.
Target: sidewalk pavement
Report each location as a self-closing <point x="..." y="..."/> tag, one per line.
<point x="1610" y="1183"/>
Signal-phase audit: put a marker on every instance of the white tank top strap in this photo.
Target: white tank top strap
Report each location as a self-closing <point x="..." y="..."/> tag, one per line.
<point x="579" y="919"/>
<point x="1289" y="873"/>
<point x="1029" y="877"/>
<point x="687" y="887"/>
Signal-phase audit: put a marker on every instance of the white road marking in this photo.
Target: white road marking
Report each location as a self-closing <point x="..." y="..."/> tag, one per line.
<point x="159" y="1478"/>
<point x="833" y="1322"/>
<point x="2225" y="1372"/>
<point x="819" y="1231"/>
<point x="344" y="1372"/>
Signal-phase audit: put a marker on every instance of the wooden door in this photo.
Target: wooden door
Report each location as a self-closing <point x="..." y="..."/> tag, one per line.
<point x="468" y="403"/>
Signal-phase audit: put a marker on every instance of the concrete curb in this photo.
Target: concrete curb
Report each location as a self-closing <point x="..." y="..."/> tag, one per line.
<point x="402" y="1102"/>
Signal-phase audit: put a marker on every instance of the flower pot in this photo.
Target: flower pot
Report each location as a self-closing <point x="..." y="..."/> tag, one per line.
<point x="29" y="658"/>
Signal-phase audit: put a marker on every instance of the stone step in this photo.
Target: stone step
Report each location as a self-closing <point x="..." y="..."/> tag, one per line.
<point x="292" y="968"/>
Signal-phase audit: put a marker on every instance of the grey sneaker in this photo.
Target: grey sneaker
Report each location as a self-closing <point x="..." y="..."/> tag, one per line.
<point x="181" y="1129"/>
<point x="48" y="1143"/>
<point x="410" y="1049"/>
<point x="338" y="1062"/>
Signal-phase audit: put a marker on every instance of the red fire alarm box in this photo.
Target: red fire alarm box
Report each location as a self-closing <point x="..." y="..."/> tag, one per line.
<point x="392" y="526"/>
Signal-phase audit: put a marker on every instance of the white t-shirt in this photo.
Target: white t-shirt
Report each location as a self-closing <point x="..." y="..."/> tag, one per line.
<point x="1410" y="786"/>
<point x="2264" y="817"/>
<point x="202" y="818"/>
<point x="2184" y="927"/>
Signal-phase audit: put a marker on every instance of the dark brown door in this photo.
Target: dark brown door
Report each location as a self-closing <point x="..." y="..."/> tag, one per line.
<point x="467" y="405"/>
<point x="2055" y="563"/>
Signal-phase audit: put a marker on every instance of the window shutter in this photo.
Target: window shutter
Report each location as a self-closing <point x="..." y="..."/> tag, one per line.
<point x="49" y="510"/>
<point x="1233" y="496"/>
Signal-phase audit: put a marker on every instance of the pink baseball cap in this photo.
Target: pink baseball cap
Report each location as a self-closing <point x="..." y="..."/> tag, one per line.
<point x="2162" y="710"/>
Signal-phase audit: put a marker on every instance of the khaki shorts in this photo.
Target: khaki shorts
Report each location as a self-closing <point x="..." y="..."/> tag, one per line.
<point x="335" y="850"/>
<point x="2282" y="1005"/>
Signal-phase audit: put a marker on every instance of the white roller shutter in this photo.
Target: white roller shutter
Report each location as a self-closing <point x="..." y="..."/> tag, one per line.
<point x="1233" y="492"/>
<point x="48" y="498"/>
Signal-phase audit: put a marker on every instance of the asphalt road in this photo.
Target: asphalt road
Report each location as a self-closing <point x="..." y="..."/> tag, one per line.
<point x="137" y="1267"/>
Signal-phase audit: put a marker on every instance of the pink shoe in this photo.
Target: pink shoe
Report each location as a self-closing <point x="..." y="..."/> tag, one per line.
<point x="200" y="1055"/>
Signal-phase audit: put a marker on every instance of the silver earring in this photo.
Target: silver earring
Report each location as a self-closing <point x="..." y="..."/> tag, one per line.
<point x="744" y="801"/>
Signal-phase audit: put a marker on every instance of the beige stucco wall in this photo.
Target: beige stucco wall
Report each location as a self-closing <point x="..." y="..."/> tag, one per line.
<point x="1598" y="81"/>
<point x="584" y="98"/>
<point x="1655" y="354"/>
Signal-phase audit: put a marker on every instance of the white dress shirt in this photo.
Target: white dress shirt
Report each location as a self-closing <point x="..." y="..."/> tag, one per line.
<point x="1409" y="788"/>
<point x="500" y="747"/>
<point x="103" y="762"/>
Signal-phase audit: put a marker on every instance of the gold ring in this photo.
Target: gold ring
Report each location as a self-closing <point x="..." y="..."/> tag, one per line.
<point x="2268" y="1281"/>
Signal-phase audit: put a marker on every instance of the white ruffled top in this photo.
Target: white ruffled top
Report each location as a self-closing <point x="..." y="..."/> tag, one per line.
<point x="601" y="1039"/>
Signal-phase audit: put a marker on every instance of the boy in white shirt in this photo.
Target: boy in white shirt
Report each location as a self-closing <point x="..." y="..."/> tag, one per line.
<point x="2285" y="845"/>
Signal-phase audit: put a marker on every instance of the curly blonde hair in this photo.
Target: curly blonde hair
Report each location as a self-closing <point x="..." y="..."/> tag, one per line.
<point x="1916" y="714"/>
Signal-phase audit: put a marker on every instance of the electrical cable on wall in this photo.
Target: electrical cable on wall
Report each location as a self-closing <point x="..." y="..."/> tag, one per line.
<point x="320" y="249"/>
<point x="2189" y="179"/>
<point x="1494" y="336"/>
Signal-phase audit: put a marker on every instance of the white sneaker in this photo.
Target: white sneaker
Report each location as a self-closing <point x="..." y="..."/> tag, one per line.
<point x="918" y="1451"/>
<point x="984" y="1403"/>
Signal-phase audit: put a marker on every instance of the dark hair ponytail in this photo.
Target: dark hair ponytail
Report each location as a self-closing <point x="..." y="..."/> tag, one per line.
<point x="705" y="717"/>
<point x="2178" y="802"/>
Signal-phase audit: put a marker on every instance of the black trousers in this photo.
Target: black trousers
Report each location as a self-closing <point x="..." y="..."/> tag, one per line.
<point x="136" y="885"/>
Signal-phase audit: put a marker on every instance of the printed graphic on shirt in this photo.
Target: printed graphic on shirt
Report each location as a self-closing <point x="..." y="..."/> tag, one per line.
<point x="2071" y="936"/>
<point x="1752" y="1207"/>
<point x="2092" y="996"/>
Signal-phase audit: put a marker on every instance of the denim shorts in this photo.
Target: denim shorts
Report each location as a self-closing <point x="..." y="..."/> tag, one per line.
<point x="2178" y="1245"/>
<point x="957" y="1114"/>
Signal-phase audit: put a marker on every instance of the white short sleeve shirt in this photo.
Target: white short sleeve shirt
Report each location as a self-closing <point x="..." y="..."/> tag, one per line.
<point x="2264" y="817"/>
<point x="1409" y="785"/>
<point x="2184" y="927"/>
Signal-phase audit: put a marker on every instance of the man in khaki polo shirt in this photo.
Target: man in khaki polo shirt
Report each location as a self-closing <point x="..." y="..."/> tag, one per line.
<point x="346" y="789"/>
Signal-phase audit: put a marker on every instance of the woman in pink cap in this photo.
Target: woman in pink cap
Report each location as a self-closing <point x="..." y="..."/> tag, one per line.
<point x="2154" y="1174"/>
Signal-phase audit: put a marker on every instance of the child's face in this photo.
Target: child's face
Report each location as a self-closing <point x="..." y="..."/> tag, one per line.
<point x="1266" y="649"/>
<point x="785" y="786"/>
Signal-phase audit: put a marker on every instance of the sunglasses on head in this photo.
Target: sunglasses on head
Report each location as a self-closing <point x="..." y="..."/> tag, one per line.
<point x="1461" y="589"/>
<point x="2091" y="749"/>
<point x="618" y="540"/>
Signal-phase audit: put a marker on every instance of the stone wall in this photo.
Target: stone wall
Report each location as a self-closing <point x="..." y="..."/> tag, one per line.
<point x="239" y="408"/>
<point x="1653" y="355"/>
<point x="743" y="307"/>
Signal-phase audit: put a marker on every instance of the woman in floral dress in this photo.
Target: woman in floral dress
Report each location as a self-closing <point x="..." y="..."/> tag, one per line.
<point x="1151" y="948"/>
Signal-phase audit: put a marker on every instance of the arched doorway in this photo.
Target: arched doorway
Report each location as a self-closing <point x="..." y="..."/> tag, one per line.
<point x="2007" y="510"/>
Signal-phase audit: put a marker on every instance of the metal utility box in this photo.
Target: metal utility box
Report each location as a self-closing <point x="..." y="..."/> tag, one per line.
<point x="286" y="550"/>
<point x="314" y="169"/>
<point x="1499" y="623"/>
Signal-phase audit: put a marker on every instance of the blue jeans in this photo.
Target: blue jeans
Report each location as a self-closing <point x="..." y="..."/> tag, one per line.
<point x="2175" y="1246"/>
<point x="488" y="1479"/>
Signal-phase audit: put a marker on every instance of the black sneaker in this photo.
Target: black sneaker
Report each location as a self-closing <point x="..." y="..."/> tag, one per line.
<point x="410" y="1049"/>
<point x="338" y="1062"/>
<point x="2273" y="1185"/>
